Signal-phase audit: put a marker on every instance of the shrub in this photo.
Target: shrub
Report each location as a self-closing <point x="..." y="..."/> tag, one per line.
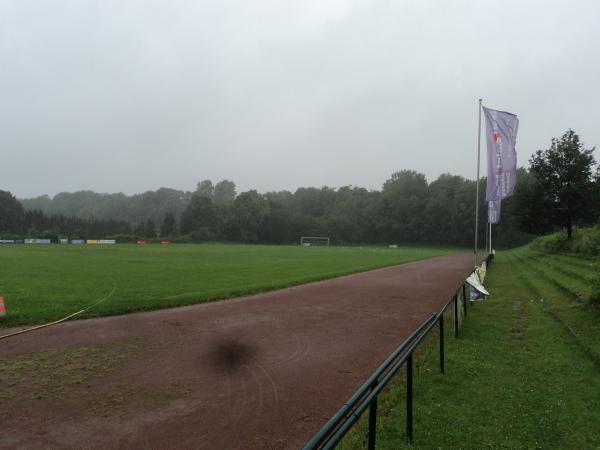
<point x="595" y="284"/>
<point x="203" y="234"/>
<point x="587" y="241"/>
<point x="553" y="243"/>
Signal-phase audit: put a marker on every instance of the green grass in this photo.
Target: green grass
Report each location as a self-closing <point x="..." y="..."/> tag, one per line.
<point x="41" y="283"/>
<point x="49" y="373"/>
<point x="522" y="374"/>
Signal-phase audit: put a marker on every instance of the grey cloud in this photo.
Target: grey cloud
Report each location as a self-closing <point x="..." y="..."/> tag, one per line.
<point x="130" y="96"/>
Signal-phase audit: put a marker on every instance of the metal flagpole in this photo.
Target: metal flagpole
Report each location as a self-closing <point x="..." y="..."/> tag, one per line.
<point x="490" y="239"/>
<point x="487" y="234"/>
<point x="477" y="189"/>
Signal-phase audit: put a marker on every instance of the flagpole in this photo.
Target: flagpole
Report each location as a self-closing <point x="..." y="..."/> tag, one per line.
<point x="487" y="232"/>
<point x="477" y="188"/>
<point x="490" y="252"/>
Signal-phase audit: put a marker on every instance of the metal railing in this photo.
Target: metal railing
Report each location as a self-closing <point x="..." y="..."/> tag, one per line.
<point x="366" y="396"/>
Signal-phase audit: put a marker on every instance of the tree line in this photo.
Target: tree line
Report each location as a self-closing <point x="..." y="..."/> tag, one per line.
<point x="560" y="189"/>
<point x="407" y="209"/>
<point x="17" y="223"/>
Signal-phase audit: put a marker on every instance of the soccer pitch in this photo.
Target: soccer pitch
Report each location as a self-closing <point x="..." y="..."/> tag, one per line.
<point x="41" y="283"/>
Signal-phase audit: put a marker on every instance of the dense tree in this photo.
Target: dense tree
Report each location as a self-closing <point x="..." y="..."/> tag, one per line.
<point x="12" y="214"/>
<point x="510" y="231"/>
<point x="140" y="230"/>
<point x="405" y="195"/>
<point x="17" y="222"/>
<point x="532" y="209"/>
<point x="134" y="209"/>
<point x="278" y="224"/>
<point x="168" y="228"/>
<point x="250" y="213"/>
<point x="149" y="229"/>
<point x="408" y="210"/>
<point x="596" y="197"/>
<point x="354" y="215"/>
<point x="224" y="193"/>
<point x="564" y="177"/>
<point x="200" y="213"/>
<point x="205" y="188"/>
<point x="444" y="194"/>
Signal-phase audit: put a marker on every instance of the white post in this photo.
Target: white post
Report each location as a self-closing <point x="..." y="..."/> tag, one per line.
<point x="477" y="188"/>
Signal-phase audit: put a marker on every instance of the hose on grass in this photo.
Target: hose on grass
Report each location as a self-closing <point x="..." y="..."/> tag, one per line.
<point x="27" y="330"/>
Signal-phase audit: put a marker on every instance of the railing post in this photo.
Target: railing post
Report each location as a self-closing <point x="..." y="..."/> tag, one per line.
<point x="465" y="298"/>
<point x="409" y="399"/>
<point x="456" y="316"/>
<point x="373" y="421"/>
<point x="442" y="343"/>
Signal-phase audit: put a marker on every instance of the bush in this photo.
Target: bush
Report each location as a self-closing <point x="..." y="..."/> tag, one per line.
<point x="587" y="241"/>
<point x="203" y="234"/>
<point x="552" y="243"/>
<point x="595" y="285"/>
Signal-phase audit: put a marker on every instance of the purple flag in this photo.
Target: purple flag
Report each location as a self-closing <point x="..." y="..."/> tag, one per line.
<point x="501" y="136"/>
<point x="494" y="211"/>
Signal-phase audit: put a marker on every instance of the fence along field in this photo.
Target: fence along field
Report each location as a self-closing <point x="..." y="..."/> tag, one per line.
<point x="42" y="283"/>
<point x="524" y="373"/>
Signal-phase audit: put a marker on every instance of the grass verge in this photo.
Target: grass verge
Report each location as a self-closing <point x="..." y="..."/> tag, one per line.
<point x="516" y="377"/>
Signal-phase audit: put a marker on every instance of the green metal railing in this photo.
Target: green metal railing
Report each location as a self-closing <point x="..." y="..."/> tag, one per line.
<point x="366" y="396"/>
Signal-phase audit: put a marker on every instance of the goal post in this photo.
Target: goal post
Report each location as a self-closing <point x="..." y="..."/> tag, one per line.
<point x="308" y="241"/>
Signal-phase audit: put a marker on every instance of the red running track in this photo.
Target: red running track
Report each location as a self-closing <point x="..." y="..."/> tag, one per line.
<point x="258" y="372"/>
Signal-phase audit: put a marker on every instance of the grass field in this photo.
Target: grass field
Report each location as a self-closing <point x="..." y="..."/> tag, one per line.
<point x="41" y="283"/>
<point x="524" y="373"/>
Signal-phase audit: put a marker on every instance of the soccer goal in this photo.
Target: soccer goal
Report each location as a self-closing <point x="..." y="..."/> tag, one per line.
<point x="309" y="241"/>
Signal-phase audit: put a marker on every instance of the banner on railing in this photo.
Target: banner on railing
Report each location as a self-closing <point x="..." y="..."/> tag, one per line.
<point x="477" y="291"/>
<point x="481" y="272"/>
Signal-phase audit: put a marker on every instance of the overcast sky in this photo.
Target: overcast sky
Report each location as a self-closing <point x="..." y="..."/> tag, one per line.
<point x="129" y="96"/>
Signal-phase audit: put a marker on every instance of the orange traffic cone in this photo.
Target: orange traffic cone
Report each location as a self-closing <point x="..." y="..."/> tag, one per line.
<point x="2" y="307"/>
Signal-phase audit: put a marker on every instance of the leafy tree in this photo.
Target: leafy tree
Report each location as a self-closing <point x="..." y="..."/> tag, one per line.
<point x="224" y="193"/>
<point x="353" y="217"/>
<point x="12" y="214"/>
<point x="205" y="188"/>
<point x="150" y="229"/>
<point x="16" y="222"/>
<point x="135" y="209"/>
<point x="564" y="173"/>
<point x="250" y="212"/>
<point x="168" y="226"/>
<point x="278" y="226"/>
<point x="442" y="224"/>
<point x="405" y="195"/>
<point x="315" y="202"/>
<point x="200" y="213"/>
<point x="140" y="230"/>
<point x="408" y="209"/>
<point x="532" y="208"/>
<point x="42" y="203"/>
<point x="596" y="196"/>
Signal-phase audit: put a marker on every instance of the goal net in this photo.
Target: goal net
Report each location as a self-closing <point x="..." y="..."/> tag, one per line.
<point x="309" y="241"/>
